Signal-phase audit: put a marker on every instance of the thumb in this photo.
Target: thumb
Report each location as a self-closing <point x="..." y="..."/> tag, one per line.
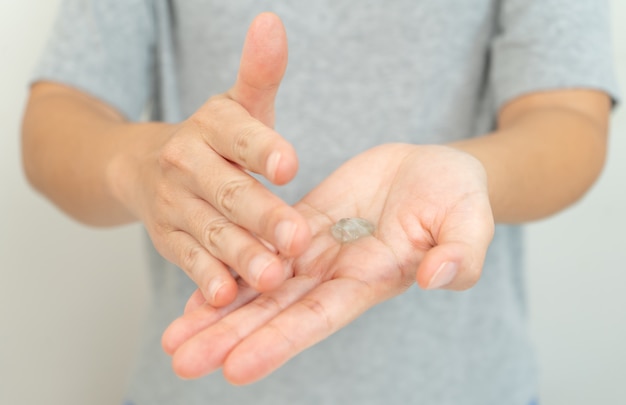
<point x="263" y="64"/>
<point x="456" y="262"/>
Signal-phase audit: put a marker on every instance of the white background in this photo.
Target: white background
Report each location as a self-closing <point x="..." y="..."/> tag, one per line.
<point x="71" y="297"/>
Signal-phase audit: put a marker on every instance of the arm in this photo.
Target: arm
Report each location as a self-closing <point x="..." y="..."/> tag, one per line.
<point x="548" y="150"/>
<point x="69" y="141"/>
<point x="187" y="182"/>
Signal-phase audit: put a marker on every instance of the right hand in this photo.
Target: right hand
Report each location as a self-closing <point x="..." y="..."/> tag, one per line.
<point x="203" y="210"/>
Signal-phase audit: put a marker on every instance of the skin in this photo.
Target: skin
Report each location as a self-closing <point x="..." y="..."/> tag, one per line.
<point x="434" y="206"/>
<point x="189" y="182"/>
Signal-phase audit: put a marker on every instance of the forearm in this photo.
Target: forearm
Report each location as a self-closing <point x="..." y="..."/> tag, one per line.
<point x="541" y="160"/>
<point x="70" y="142"/>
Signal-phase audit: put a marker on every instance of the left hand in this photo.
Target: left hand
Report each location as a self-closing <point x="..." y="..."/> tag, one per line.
<point x="433" y="223"/>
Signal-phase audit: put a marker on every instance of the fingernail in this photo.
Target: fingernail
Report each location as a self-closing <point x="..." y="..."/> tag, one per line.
<point x="214" y="287"/>
<point x="285" y="231"/>
<point x="272" y="164"/>
<point x="443" y="276"/>
<point x="257" y="267"/>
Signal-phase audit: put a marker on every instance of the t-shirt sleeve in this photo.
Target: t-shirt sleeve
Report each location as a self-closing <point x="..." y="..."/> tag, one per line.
<point x="552" y="44"/>
<point x="104" y="48"/>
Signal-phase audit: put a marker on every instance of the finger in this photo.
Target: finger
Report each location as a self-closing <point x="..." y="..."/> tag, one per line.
<point x="253" y="144"/>
<point x="205" y="351"/>
<point x="233" y="246"/>
<point x="245" y="201"/>
<point x="262" y="67"/>
<point x="234" y="194"/>
<point x="456" y="262"/>
<point x="233" y="133"/>
<point x="211" y="275"/>
<point x="304" y="323"/>
<point x="198" y="316"/>
<point x="195" y="301"/>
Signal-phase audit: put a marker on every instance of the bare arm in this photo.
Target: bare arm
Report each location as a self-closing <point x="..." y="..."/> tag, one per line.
<point x="548" y="150"/>
<point x="69" y="141"/>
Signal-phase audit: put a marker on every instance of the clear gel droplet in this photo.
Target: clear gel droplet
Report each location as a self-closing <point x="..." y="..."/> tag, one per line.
<point x="351" y="229"/>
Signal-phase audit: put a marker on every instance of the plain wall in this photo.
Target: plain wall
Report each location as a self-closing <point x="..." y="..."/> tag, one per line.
<point x="577" y="277"/>
<point x="71" y="297"/>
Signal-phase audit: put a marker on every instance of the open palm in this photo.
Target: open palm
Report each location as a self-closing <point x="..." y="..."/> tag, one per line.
<point x="433" y="224"/>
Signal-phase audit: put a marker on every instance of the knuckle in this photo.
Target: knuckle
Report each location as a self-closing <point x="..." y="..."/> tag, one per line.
<point x="215" y="106"/>
<point x="190" y="256"/>
<point x="164" y="195"/>
<point x="173" y="155"/>
<point x="242" y="141"/>
<point x="267" y="303"/>
<point x="208" y="118"/>
<point x="318" y="310"/>
<point x="230" y="193"/>
<point x="213" y="234"/>
<point x="285" y="337"/>
<point x="158" y="236"/>
<point x="198" y="122"/>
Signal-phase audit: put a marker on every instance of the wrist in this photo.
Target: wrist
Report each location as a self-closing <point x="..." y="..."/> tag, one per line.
<point x="136" y="148"/>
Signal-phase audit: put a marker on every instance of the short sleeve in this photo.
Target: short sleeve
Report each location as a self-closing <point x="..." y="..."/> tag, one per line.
<point x="552" y="44"/>
<point x="105" y="48"/>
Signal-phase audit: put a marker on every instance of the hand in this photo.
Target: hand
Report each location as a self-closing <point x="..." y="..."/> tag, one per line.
<point x="201" y="207"/>
<point x="433" y="224"/>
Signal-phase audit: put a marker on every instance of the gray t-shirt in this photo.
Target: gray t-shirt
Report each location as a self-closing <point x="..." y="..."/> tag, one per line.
<point x="360" y="74"/>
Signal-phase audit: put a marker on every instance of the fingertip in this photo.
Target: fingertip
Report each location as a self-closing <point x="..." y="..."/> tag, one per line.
<point x="225" y="294"/>
<point x="262" y="272"/>
<point x="257" y="357"/>
<point x="282" y="166"/>
<point x="266" y="46"/>
<point x="263" y="64"/>
<point x="231" y="374"/>
<point x="186" y="365"/>
<point x="171" y="339"/>
<point x="233" y="378"/>
<point x="268" y="15"/>
<point x="194" y="360"/>
<point x="238" y="371"/>
<point x="181" y="367"/>
<point x="450" y="267"/>
<point x="273" y="161"/>
<point x="271" y="277"/>
<point x="292" y="236"/>
<point x="301" y="240"/>
<point x="443" y="276"/>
